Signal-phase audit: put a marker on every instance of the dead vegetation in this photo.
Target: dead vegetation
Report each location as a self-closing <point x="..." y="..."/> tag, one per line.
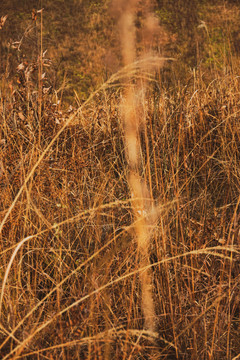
<point x="71" y="280"/>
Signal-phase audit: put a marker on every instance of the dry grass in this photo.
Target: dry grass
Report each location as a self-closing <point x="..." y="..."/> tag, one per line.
<point x="70" y="270"/>
<point x="134" y="121"/>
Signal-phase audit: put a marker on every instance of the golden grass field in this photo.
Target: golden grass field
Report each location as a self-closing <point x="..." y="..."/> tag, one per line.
<point x="120" y="215"/>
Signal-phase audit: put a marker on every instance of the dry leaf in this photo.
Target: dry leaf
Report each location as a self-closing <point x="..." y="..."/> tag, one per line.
<point x="21" y="116"/>
<point x="2" y="21"/>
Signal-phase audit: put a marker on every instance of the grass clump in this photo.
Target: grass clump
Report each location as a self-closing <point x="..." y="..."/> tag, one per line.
<point x="71" y="277"/>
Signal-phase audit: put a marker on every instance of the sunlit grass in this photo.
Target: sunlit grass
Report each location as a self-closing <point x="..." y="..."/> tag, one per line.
<point x="71" y="276"/>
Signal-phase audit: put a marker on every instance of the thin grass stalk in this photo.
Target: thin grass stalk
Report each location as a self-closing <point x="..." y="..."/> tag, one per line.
<point x="143" y="208"/>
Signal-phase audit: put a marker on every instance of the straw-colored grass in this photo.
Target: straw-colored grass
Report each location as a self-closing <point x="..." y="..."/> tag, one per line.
<point x="120" y="219"/>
